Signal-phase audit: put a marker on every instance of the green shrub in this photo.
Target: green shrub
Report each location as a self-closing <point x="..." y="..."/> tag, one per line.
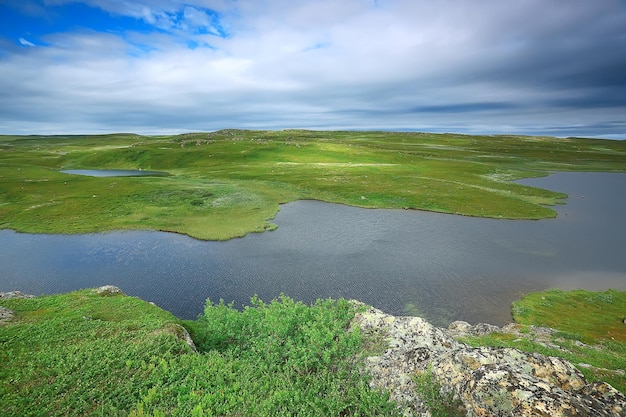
<point x="82" y="354"/>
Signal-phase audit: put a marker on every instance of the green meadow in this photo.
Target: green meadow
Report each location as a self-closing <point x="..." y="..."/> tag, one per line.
<point x="229" y="183"/>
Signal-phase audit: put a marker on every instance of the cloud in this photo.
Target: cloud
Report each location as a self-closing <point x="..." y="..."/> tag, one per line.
<point x="490" y="67"/>
<point x="26" y="43"/>
<point x="197" y="20"/>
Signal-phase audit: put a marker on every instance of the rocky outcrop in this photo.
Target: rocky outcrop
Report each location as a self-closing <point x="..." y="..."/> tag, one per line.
<point x="107" y="290"/>
<point x="482" y="381"/>
<point x="14" y="294"/>
<point x="184" y="335"/>
<point x="7" y="315"/>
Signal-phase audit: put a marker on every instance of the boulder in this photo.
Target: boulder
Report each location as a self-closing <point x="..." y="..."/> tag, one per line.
<point x="503" y="381"/>
<point x="14" y="294"/>
<point x="5" y="315"/>
<point x="184" y="335"/>
<point x="107" y="290"/>
<point x="485" y="381"/>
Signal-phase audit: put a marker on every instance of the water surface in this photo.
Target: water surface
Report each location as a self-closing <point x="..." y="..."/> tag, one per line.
<point x="115" y="173"/>
<point x="443" y="267"/>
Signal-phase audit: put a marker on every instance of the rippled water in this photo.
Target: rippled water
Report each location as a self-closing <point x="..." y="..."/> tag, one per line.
<point x="443" y="267"/>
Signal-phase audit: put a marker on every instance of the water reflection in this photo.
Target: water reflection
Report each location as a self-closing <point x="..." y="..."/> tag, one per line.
<point x="443" y="267"/>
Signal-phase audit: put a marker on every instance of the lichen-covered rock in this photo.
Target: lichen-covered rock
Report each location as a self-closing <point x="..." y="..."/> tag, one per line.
<point x="493" y="381"/>
<point x="184" y="335"/>
<point x="552" y="370"/>
<point x="412" y="342"/>
<point x="460" y="328"/>
<point x="15" y="294"/>
<point x="107" y="290"/>
<point x="463" y="328"/>
<point x="487" y="381"/>
<point x="5" y="315"/>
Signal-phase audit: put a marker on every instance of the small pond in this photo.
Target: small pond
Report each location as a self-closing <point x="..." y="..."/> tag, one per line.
<point x="115" y="173"/>
<point x="443" y="267"/>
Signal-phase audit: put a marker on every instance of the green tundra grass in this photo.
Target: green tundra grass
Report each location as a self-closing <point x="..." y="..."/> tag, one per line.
<point x="229" y="183"/>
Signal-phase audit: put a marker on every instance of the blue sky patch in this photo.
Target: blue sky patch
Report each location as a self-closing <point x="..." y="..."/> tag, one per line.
<point x="31" y="29"/>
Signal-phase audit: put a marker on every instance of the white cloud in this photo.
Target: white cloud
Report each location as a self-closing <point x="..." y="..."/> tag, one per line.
<point x="194" y="18"/>
<point x="26" y="42"/>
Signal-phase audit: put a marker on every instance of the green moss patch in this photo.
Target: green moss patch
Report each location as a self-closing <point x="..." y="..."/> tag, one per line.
<point x="591" y="315"/>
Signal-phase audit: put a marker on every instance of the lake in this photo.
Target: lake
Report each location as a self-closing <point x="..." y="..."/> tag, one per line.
<point x="442" y="267"/>
<point x="104" y="173"/>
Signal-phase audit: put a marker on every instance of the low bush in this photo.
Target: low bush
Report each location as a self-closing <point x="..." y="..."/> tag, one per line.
<point x="82" y="354"/>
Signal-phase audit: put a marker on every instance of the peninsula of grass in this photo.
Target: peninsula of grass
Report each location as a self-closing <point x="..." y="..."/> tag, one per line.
<point x="229" y="183"/>
<point x="85" y="353"/>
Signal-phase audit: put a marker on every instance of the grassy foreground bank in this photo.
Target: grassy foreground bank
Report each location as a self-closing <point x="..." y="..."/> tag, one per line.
<point x="228" y="183"/>
<point x="86" y="354"/>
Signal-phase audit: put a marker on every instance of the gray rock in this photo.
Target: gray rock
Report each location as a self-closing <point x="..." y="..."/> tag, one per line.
<point x="184" y="335"/>
<point x="107" y="290"/>
<point x="413" y="343"/>
<point x="483" y="329"/>
<point x="463" y="328"/>
<point x="14" y="294"/>
<point x="492" y="381"/>
<point x="460" y="328"/>
<point x="5" y="315"/>
<point x="486" y="381"/>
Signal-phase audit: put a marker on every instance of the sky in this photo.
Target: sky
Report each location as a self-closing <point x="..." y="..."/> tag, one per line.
<point x="536" y="67"/>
